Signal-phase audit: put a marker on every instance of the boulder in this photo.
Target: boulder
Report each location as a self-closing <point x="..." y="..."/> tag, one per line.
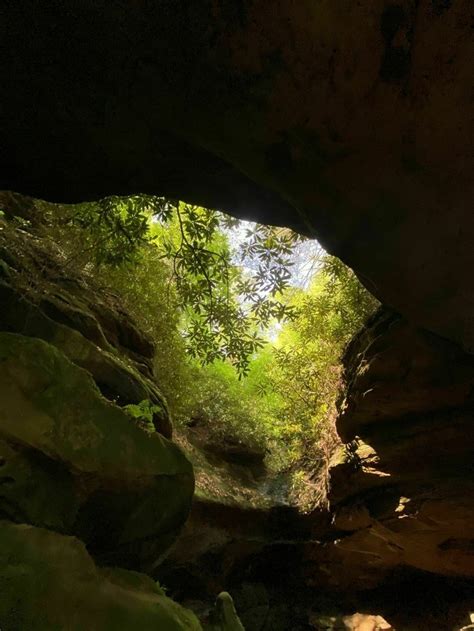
<point x="364" y="622"/>
<point x="88" y="324"/>
<point x="83" y="479"/>
<point x="123" y="491"/>
<point x="48" y="581"/>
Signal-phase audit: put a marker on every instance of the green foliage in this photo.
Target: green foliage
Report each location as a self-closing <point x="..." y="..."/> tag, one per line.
<point x="143" y="413"/>
<point x="110" y="231"/>
<point x="116" y="227"/>
<point x="210" y="307"/>
<point x="228" y="407"/>
<point x="306" y="371"/>
<point x="148" y="294"/>
<point x="224" y="307"/>
<point x="216" y="326"/>
<point x="208" y="310"/>
<point x="269" y="251"/>
<point x="308" y="351"/>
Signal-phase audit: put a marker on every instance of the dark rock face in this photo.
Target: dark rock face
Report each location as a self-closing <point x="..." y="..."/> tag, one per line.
<point x="406" y="498"/>
<point x="398" y="371"/>
<point x="349" y="121"/>
<point x="82" y="485"/>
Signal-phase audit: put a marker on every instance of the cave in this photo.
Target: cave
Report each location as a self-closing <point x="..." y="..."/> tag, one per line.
<point x="348" y="122"/>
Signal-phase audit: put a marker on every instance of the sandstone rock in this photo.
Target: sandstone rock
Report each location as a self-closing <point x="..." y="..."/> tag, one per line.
<point x="124" y="492"/>
<point x="350" y="121"/>
<point x="405" y="495"/>
<point x="363" y="622"/>
<point x="396" y="370"/>
<point x="355" y="622"/>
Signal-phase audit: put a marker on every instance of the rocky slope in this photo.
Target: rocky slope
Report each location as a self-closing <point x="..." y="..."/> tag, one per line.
<point x="90" y="499"/>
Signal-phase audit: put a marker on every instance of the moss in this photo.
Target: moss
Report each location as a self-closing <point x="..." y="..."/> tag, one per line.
<point x="129" y="492"/>
<point x="118" y="379"/>
<point x="55" y="406"/>
<point x="49" y="582"/>
<point x="29" y="480"/>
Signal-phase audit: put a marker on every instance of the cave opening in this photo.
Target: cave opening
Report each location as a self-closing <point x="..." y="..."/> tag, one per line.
<point x="302" y="404"/>
<point x="189" y="404"/>
<point x="246" y="323"/>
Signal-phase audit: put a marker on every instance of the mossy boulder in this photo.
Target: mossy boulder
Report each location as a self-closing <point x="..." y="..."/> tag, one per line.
<point x="49" y="582"/>
<point x="123" y="491"/>
<point x="40" y="298"/>
<point x="115" y="375"/>
<point x="81" y="481"/>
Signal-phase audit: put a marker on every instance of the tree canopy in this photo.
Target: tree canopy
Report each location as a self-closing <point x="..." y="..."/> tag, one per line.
<point x="244" y="344"/>
<point x="225" y="306"/>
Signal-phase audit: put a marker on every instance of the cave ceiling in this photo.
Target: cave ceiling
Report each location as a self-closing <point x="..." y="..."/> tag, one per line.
<point x="349" y="121"/>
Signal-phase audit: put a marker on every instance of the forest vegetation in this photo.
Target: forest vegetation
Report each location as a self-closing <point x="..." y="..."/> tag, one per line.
<point x="249" y="321"/>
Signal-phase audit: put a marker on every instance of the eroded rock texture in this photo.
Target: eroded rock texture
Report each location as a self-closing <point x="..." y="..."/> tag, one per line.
<point x="406" y="495"/>
<point x="350" y="121"/>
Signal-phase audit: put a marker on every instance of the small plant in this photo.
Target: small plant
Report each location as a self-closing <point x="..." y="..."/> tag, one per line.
<point x="352" y="457"/>
<point x="143" y="413"/>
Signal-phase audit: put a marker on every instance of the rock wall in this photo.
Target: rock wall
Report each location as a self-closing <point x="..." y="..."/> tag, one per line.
<point x="88" y="496"/>
<point x="404" y="495"/>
